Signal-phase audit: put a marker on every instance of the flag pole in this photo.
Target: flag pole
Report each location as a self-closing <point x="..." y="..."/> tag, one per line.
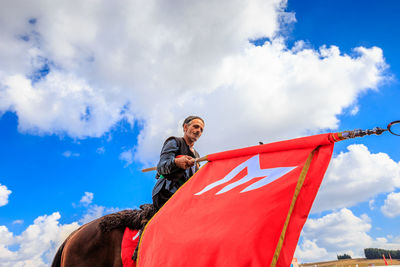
<point x="196" y="161"/>
<point x="360" y="133"/>
<point x="356" y="133"/>
<point x="336" y="137"/>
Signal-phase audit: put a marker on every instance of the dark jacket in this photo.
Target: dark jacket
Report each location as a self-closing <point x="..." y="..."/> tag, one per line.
<point x="170" y="177"/>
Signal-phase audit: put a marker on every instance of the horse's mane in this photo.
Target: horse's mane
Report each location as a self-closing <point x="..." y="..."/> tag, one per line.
<point x="134" y="219"/>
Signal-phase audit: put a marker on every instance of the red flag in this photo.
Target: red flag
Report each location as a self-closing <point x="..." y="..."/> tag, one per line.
<point x="383" y="255"/>
<point x="245" y="207"/>
<point x="390" y="256"/>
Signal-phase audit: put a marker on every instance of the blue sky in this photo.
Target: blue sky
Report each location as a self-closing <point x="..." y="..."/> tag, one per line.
<point x="87" y="98"/>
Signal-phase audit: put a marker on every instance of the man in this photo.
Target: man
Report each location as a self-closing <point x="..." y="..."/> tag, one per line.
<point x="177" y="161"/>
<point x="177" y="164"/>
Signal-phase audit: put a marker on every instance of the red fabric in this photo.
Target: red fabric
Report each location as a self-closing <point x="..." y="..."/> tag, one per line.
<point x="229" y="226"/>
<point x="298" y="143"/>
<point x="128" y="245"/>
<point x="383" y="255"/>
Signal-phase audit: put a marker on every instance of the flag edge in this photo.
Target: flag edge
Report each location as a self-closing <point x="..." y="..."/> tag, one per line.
<point x="299" y="185"/>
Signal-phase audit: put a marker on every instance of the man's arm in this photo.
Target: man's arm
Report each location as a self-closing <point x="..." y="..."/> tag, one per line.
<point x="168" y="163"/>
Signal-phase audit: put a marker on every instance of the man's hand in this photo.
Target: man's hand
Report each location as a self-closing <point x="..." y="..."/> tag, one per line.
<point x="184" y="162"/>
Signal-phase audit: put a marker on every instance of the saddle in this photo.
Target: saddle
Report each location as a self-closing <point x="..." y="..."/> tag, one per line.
<point x="129" y="242"/>
<point x="132" y="221"/>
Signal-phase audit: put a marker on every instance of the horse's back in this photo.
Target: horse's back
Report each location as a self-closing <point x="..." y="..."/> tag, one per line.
<point x="89" y="246"/>
<point x="98" y="243"/>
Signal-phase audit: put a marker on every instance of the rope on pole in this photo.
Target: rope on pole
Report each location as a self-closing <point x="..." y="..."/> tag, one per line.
<point x="360" y="133"/>
<point x="356" y="133"/>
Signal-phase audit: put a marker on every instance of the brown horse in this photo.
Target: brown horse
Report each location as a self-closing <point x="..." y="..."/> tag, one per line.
<point x="98" y="243"/>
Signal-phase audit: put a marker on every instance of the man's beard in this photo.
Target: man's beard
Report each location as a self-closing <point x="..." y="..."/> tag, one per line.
<point x="195" y="137"/>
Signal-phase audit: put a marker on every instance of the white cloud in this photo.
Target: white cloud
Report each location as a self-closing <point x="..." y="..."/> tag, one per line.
<point x="396" y="239"/>
<point x="100" y="150"/>
<point x="129" y="48"/>
<point x="355" y="110"/>
<point x="87" y="199"/>
<point x="156" y="63"/>
<point x="391" y="207"/>
<point x="4" y="193"/>
<point x="94" y="212"/>
<point x="371" y="204"/>
<point x="339" y="230"/>
<point x="308" y="251"/>
<point x="37" y="245"/>
<point x="261" y="89"/>
<point x="69" y="154"/>
<point x="127" y="156"/>
<point x="338" y="233"/>
<point x="356" y="176"/>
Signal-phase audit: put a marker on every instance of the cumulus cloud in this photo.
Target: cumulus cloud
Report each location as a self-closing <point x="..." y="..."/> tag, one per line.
<point x="80" y="71"/>
<point x="127" y="156"/>
<point x="356" y="176"/>
<point x="4" y="193"/>
<point x="338" y="233"/>
<point x="87" y="199"/>
<point x="106" y="63"/>
<point x="95" y="212"/>
<point x="309" y="251"/>
<point x="37" y="244"/>
<point x="339" y="230"/>
<point x="391" y="207"/>
<point x="264" y="89"/>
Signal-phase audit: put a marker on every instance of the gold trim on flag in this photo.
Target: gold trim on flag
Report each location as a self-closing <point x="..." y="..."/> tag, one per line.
<point x="299" y="185"/>
<point x="334" y="138"/>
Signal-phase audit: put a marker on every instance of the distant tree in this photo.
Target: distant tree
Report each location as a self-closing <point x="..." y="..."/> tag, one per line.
<point x="376" y="253"/>
<point x="343" y="257"/>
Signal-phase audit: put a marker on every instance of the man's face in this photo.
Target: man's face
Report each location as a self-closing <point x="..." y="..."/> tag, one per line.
<point x="193" y="130"/>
